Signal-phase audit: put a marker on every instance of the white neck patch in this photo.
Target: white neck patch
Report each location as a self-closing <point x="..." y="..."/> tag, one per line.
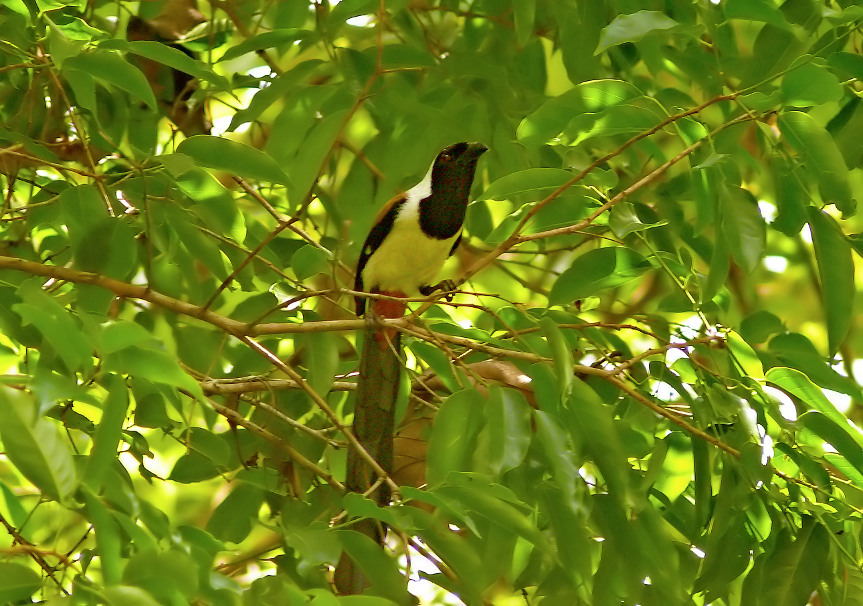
<point x="421" y="190"/>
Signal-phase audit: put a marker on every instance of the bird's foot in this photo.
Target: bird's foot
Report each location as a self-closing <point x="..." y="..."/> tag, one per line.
<point x="447" y="286"/>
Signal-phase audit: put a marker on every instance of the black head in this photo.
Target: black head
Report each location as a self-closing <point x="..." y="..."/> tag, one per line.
<point x="442" y="211"/>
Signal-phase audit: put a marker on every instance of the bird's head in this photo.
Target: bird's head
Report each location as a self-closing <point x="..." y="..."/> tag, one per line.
<point x="453" y="170"/>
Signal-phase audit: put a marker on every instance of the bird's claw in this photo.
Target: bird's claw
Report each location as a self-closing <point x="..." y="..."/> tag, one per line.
<point x="447" y="286"/>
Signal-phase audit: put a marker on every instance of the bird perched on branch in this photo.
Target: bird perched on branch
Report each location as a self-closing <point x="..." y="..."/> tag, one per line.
<point x="416" y="231"/>
<point x="411" y="239"/>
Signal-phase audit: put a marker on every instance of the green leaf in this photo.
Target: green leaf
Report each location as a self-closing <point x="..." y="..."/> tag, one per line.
<point x="309" y="261"/>
<point x="14" y="510"/>
<point x="36" y="446"/>
<point x="592" y="426"/>
<point x="836" y="270"/>
<point x="108" y="432"/>
<point x="18" y="6"/>
<point x="167" y="575"/>
<point x="317" y="543"/>
<point x="561" y="353"/>
<point x="380" y="570"/>
<point x="315" y="148"/>
<point x="743" y="227"/>
<point x="153" y="365"/>
<point x="233" y="157"/>
<point x="235" y="517"/>
<point x="270" y="39"/>
<point x="756" y="10"/>
<point x="494" y="503"/>
<point x="623" y="220"/>
<point x="629" y="118"/>
<point x="503" y="441"/>
<point x="759" y="325"/>
<point x="549" y="120"/>
<point x="843" y="437"/>
<point x="569" y="524"/>
<point x="454" y="436"/>
<point x="460" y="555"/>
<point x="597" y="270"/>
<point x="169" y="56"/>
<point x="632" y="28"/>
<point x="52" y="319"/>
<point x="750" y="363"/>
<point x="798" y="384"/>
<point x="17" y="583"/>
<point x="60" y="45"/>
<point x="123" y="595"/>
<point x="561" y="454"/>
<point x="793" y="568"/>
<point x="108" y="542"/>
<point x="524" y="13"/>
<point x="202" y="248"/>
<point x="819" y="156"/>
<point x="810" y="84"/>
<point x="438" y="362"/>
<point x="848" y="64"/>
<point x="288" y="83"/>
<point x="121" y="334"/>
<point x="720" y="265"/>
<point x="321" y="356"/>
<point x="193" y="467"/>
<point x="405" y="56"/>
<point x="796" y="351"/>
<point x="112" y="69"/>
<point x="108" y="248"/>
<point x="528" y="180"/>
<point x="362" y="507"/>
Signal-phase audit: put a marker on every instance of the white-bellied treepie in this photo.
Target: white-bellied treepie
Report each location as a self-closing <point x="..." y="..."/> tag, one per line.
<point x="411" y="239"/>
<point x="416" y="231"/>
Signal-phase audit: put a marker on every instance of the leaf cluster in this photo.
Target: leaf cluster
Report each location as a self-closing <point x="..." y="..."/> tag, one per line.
<point x="644" y="392"/>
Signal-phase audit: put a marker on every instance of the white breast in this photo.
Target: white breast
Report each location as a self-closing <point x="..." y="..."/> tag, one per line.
<point x="407" y="258"/>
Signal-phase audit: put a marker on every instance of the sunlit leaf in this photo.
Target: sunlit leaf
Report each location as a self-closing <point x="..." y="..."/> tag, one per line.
<point x="169" y="56"/>
<point x="529" y="180"/>
<point x="633" y="27"/>
<point x="36" y="446"/>
<point x="112" y="69"/>
<point x="810" y="84"/>
<point x="836" y="270"/>
<point x="232" y="157"/>
<point x="844" y="438"/>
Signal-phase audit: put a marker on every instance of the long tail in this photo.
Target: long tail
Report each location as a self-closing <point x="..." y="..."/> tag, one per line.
<point x="374" y="419"/>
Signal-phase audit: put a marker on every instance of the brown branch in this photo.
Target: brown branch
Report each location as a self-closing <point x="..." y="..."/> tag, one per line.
<point x="34" y="552"/>
<point x="13" y="151"/>
<point x="124" y="289"/>
<point x="247" y="385"/>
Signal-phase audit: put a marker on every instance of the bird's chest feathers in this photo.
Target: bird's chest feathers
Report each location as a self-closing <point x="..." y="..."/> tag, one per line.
<point x="407" y="258"/>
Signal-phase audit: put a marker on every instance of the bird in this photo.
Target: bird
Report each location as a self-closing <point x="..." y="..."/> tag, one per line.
<point x="416" y="231"/>
<point x="411" y="239"/>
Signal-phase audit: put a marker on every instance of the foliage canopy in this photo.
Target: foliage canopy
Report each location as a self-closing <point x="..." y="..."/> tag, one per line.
<point x="634" y="396"/>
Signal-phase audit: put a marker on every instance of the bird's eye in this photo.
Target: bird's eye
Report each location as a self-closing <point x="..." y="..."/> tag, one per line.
<point x="445" y="157"/>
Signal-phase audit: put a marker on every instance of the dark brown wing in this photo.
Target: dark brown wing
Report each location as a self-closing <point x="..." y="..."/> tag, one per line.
<point x="382" y="227"/>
